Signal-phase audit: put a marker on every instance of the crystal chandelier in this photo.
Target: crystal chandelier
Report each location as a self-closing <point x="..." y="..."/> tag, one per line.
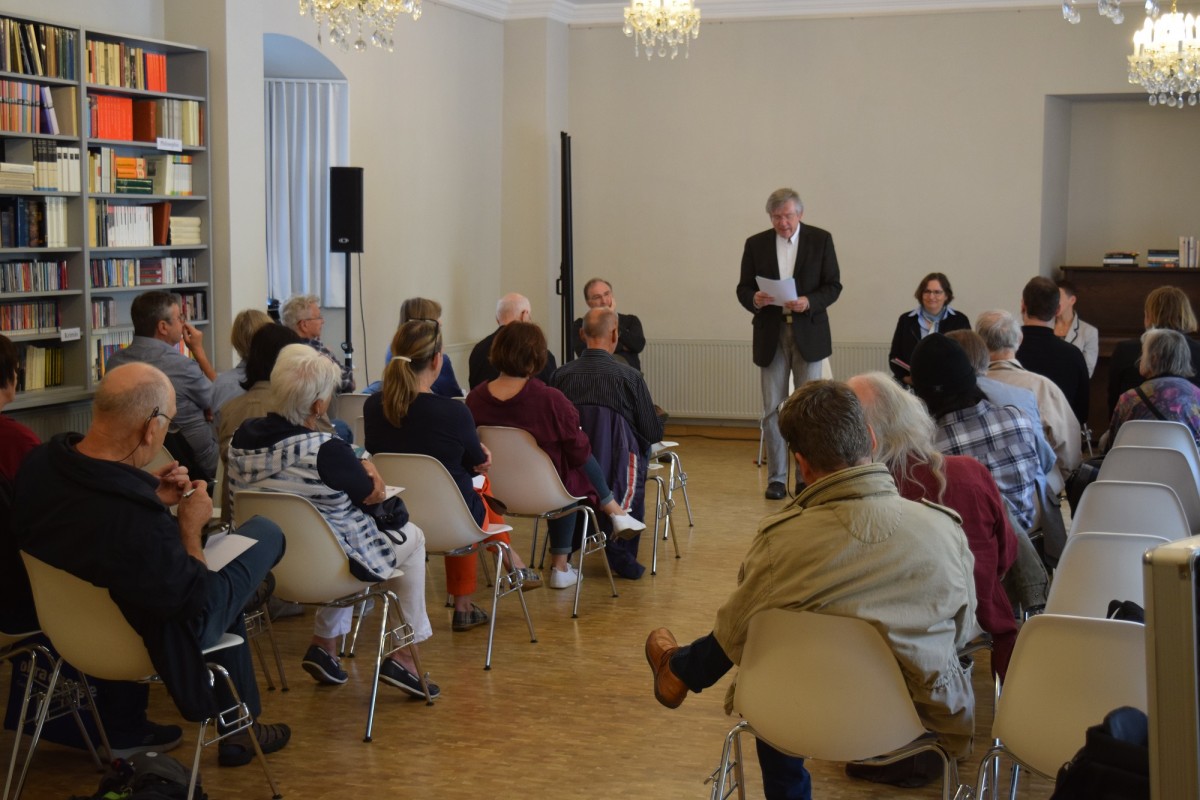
<point x="1166" y="59"/>
<point x="1107" y="8"/>
<point x="348" y="18"/>
<point x="661" y="24"/>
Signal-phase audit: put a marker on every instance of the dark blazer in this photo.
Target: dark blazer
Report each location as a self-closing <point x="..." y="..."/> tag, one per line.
<point x="482" y="370"/>
<point x="817" y="278"/>
<point x="908" y="336"/>
<point x="1046" y="354"/>
<point x="1123" y="372"/>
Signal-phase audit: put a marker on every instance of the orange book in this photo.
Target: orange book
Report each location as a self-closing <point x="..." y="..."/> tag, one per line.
<point x="145" y="120"/>
<point x="162" y="223"/>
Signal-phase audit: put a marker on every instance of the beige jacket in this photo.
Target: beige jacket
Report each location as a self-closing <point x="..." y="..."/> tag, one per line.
<point x="1058" y="420"/>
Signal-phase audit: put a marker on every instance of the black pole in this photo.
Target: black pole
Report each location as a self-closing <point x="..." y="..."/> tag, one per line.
<point x="566" y="282"/>
<point x="348" y="345"/>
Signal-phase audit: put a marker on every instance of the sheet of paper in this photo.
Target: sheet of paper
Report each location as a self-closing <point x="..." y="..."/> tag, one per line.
<point x="782" y="291"/>
<point x="477" y="481"/>
<point x="391" y="491"/>
<point x="225" y="547"/>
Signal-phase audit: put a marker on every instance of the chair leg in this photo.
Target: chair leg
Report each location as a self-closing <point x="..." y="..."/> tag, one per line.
<point x="258" y="652"/>
<point x="243" y="722"/>
<point x="501" y="547"/>
<point x="487" y="568"/>
<point x="658" y="509"/>
<point x="33" y="651"/>
<point x="275" y="649"/>
<point x="383" y="627"/>
<point x="533" y="545"/>
<point x="729" y="774"/>
<point x="681" y="480"/>
<point x="43" y="712"/>
<point x="100" y="731"/>
<point x="363" y="608"/>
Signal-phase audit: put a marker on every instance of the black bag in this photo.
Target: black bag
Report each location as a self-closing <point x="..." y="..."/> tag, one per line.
<point x="146" y="776"/>
<point x="1114" y="764"/>
<point x="1080" y="478"/>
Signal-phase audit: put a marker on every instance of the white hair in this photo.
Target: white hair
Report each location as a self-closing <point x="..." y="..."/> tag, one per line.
<point x="295" y="310"/>
<point x="301" y="377"/>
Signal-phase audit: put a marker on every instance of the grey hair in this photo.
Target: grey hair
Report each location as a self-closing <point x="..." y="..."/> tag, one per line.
<point x="509" y="307"/>
<point x="131" y="405"/>
<point x="780" y="196"/>
<point x="999" y="329"/>
<point x="974" y="346"/>
<point x="301" y="377"/>
<point x="295" y="310"/>
<point x="904" y="431"/>
<point x="1165" y="352"/>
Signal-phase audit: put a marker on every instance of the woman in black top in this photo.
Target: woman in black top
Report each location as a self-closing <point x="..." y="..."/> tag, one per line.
<point x="933" y="314"/>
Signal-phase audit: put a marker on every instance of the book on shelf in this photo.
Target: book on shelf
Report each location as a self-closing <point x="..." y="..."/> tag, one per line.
<point x="33" y="222"/>
<point x="33" y="316"/>
<point x="118" y="225"/>
<point x="1187" y="252"/>
<point x="104" y="311"/>
<point x="171" y="174"/>
<point x="66" y="109"/>
<point x="129" y="272"/>
<point x="42" y="367"/>
<point x="125" y="65"/>
<point x="33" y="276"/>
<point x="185" y="231"/>
<point x="1120" y="258"/>
<point x="1162" y="258"/>
<point x="37" y="49"/>
<point x="162" y="223"/>
<point x="104" y="345"/>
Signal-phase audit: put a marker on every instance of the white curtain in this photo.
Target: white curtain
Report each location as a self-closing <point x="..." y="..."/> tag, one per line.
<point x="307" y="131"/>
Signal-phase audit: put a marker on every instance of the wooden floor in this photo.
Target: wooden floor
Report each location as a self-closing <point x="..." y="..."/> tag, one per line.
<point x="570" y="716"/>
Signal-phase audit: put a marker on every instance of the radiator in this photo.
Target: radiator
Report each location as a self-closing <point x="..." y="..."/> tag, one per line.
<point x="707" y="379"/>
<point x="48" y="421"/>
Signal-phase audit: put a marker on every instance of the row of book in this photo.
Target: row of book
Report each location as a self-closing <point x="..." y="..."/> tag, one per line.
<point x="184" y="231"/>
<point x="164" y="175"/>
<point x="105" y="344"/>
<point x="125" y="65"/>
<point x="119" y="225"/>
<point x="129" y="120"/>
<point x="32" y="48"/>
<point x="33" y="222"/>
<point x="35" y="316"/>
<point x="1186" y="257"/>
<point x="29" y="107"/>
<point x="33" y="276"/>
<point x="40" y="165"/>
<point x="195" y="305"/>
<point x="129" y="272"/>
<point x="42" y="367"/>
<point x="104" y="312"/>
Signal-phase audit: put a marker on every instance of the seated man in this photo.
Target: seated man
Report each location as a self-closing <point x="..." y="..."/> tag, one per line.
<point x="597" y="378"/>
<point x="1046" y="354"/>
<point x="302" y="314"/>
<point x="849" y="545"/>
<point x="512" y="307"/>
<point x="158" y="327"/>
<point x="117" y="532"/>
<point x="630" y="340"/>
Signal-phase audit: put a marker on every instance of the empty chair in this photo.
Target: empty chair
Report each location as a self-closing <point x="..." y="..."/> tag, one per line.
<point x="1096" y="568"/>
<point x="1156" y="465"/>
<point x="1066" y="673"/>
<point x="90" y="632"/>
<point x="437" y="507"/>
<point x="1159" y="433"/>
<point x="315" y="570"/>
<point x="663" y="506"/>
<point x="824" y="687"/>
<point x="664" y="452"/>
<point x="348" y="406"/>
<point x="523" y="476"/>
<point x="1131" y="507"/>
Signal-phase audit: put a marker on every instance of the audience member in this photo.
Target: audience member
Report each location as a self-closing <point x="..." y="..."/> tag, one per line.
<point x="285" y="452"/>
<point x="118" y="532"/>
<point x="302" y="313"/>
<point x="933" y="314"/>
<point x="228" y="384"/>
<point x="849" y="545"/>
<point x="1166" y="307"/>
<point x="512" y="307"/>
<point x="158" y="328"/>
<point x="16" y="440"/>
<point x="1166" y="364"/>
<point x="425" y="310"/>
<point x="518" y="399"/>
<point x="598" y="293"/>
<point x="1073" y="330"/>
<point x="409" y="417"/>
<point x="904" y="443"/>
<point x="1044" y="353"/>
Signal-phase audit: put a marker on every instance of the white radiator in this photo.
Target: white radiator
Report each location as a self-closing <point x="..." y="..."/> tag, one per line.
<point x="50" y="420"/>
<point x="712" y="379"/>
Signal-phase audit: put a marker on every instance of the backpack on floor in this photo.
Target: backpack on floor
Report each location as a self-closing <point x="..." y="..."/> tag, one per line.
<point x="1114" y="764"/>
<point x="145" y="776"/>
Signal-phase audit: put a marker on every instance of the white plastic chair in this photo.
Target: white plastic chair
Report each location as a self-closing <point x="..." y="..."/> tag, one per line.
<point x="824" y="687"/>
<point x="437" y="506"/>
<point x="664" y="452"/>
<point x="1130" y="507"/>
<point x="1066" y="674"/>
<point x="315" y="571"/>
<point x="91" y="634"/>
<point x="348" y="407"/>
<point x="1160" y="433"/>
<point x="523" y="476"/>
<point x="1156" y="465"/>
<point x="1097" y="568"/>
<point x="663" y="506"/>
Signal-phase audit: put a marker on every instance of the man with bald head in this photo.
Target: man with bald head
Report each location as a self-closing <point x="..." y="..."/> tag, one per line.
<point x="512" y="307"/>
<point x="88" y="507"/>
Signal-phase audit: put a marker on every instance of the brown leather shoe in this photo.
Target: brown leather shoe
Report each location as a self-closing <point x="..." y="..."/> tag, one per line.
<point x="668" y="689"/>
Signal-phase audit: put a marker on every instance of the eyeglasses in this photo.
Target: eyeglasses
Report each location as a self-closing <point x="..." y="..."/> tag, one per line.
<point x="934" y="292"/>
<point x="171" y="426"/>
<point x="312" y="319"/>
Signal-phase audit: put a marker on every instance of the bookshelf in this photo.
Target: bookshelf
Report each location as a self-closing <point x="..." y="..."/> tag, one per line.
<point x="118" y="167"/>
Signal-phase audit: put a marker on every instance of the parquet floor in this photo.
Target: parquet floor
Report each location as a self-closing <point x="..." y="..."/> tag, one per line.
<point x="572" y="716"/>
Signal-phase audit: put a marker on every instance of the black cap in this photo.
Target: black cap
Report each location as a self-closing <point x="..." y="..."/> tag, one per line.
<point x="941" y="368"/>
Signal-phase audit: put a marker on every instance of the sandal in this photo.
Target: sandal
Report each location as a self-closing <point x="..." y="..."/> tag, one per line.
<point x="529" y="579"/>
<point x="465" y="620"/>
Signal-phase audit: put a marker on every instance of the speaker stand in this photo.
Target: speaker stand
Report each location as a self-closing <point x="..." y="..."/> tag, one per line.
<point x="348" y="345"/>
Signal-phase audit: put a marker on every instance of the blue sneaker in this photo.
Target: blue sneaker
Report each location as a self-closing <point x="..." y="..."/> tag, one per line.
<point x="395" y="674"/>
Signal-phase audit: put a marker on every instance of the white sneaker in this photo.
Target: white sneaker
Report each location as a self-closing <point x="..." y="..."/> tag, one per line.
<point x="625" y="526"/>
<point x="563" y="580"/>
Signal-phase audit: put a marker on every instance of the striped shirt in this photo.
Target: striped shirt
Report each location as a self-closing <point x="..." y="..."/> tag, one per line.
<point x="598" y="379"/>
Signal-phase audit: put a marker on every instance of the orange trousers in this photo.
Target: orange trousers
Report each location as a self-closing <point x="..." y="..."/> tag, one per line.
<point x="461" y="571"/>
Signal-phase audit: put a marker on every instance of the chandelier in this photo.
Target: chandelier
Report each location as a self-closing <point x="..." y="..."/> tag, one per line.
<point x="660" y="24"/>
<point x="1166" y="59"/>
<point x="1107" y="8"/>
<point x="347" y="18"/>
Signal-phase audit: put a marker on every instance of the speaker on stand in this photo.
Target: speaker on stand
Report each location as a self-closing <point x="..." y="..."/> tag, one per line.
<point x="346" y="233"/>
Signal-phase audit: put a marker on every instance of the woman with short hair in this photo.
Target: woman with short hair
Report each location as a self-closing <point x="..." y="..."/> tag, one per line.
<point x="1166" y="307"/>
<point x="1168" y="392"/>
<point x="933" y="314"/>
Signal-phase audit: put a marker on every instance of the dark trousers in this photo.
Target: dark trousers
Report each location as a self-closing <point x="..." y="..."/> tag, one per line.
<point x="701" y="664"/>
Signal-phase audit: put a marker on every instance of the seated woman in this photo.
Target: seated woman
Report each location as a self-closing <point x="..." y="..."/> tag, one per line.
<point x="1068" y="326"/>
<point x="424" y="310"/>
<point x="1166" y="307"/>
<point x="519" y="400"/>
<point x="228" y="384"/>
<point x="285" y="452"/>
<point x="407" y="417"/>
<point x="904" y="436"/>
<point x="1168" y="392"/>
<point x="933" y="314"/>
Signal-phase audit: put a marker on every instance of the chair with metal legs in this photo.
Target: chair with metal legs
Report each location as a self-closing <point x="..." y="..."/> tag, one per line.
<point x="663" y="506"/>
<point x="664" y="452"/>
<point x="90" y="632"/>
<point x="258" y="625"/>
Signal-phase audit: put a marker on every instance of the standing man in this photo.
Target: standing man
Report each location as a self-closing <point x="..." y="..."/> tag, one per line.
<point x="630" y="340"/>
<point x="302" y="313"/>
<point x="792" y="336"/>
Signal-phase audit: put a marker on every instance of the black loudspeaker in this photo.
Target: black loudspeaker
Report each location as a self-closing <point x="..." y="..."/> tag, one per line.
<point x="345" y="209"/>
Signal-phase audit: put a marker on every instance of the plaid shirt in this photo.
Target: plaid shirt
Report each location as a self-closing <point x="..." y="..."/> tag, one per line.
<point x="347" y="384"/>
<point x="1004" y="441"/>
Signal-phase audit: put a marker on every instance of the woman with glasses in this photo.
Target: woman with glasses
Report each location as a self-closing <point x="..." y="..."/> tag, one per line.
<point x="933" y="314"/>
<point x="409" y="417"/>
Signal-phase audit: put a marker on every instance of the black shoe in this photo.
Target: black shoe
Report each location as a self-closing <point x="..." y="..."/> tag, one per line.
<point x="910" y="773"/>
<point x="776" y="490"/>
<point x="323" y="667"/>
<point x="238" y="750"/>
<point x="395" y="674"/>
<point x="149" y="737"/>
